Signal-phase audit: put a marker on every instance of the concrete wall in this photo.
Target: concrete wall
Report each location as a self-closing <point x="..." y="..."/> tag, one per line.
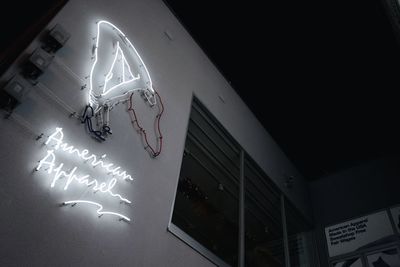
<point x="34" y="229"/>
<point x="354" y="192"/>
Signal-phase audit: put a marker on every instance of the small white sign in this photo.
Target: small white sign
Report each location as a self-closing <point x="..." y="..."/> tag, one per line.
<point x="350" y="235"/>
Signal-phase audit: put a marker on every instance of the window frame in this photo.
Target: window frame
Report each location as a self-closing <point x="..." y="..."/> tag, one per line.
<point x="174" y="229"/>
<point x="191" y="242"/>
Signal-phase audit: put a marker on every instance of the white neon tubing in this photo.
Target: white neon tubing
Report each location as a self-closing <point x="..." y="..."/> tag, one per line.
<point x="49" y="161"/>
<point x="99" y="210"/>
<point x="150" y="86"/>
<point x="110" y="73"/>
<point x="58" y="137"/>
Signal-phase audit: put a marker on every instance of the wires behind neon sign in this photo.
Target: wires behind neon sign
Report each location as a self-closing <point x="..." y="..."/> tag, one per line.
<point x="112" y="81"/>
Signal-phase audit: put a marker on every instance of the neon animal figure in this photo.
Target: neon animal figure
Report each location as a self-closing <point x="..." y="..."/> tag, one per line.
<point x="117" y="71"/>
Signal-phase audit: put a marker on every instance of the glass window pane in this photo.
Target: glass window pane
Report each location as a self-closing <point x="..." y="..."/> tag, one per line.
<point x="206" y="204"/>
<point x="263" y="223"/>
<point x="300" y="238"/>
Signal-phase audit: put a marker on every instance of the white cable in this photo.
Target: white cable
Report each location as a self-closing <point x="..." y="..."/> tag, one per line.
<point x="22" y="123"/>
<point x="48" y="93"/>
<point x="59" y="62"/>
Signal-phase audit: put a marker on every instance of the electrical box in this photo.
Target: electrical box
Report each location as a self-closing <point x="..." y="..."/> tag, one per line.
<point x="56" y="39"/>
<point x="37" y="64"/>
<point x="17" y="87"/>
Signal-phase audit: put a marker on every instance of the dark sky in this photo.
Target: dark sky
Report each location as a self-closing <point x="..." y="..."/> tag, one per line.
<point x="328" y="72"/>
<point x="17" y="16"/>
<point x="321" y="76"/>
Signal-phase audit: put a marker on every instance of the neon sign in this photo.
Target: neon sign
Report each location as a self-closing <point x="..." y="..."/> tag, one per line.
<point x="98" y="84"/>
<point x="112" y="81"/>
<point x="57" y="169"/>
<point x="58" y="136"/>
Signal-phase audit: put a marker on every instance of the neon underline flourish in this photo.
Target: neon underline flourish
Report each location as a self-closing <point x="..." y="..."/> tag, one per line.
<point x="99" y="210"/>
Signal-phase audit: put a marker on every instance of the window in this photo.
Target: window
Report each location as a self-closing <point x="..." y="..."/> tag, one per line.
<point x="300" y="238"/>
<point x="263" y="219"/>
<point x="207" y="203"/>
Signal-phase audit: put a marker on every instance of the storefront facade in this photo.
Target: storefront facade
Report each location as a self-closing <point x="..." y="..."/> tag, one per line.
<point x="100" y="216"/>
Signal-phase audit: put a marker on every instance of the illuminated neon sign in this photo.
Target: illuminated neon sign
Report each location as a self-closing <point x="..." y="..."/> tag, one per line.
<point x="117" y="71"/>
<point x="99" y="210"/>
<point x="124" y="81"/>
<point x="125" y="78"/>
<point x="56" y="139"/>
<point x="57" y="169"/>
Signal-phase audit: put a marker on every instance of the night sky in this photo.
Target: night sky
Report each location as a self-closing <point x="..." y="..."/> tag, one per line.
<point x="328" y="70"/>
<point x="321" y="76"/>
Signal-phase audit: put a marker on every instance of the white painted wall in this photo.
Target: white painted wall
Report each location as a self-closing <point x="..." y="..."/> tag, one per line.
<point x="34" y="230"/>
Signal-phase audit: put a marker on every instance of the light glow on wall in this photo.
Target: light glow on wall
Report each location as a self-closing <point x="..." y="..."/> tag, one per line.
<point x="55" y="142"/>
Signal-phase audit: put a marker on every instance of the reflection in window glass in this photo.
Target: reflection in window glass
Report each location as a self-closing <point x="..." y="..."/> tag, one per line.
<point x="386" y="258"/>
<point x="300" y="238"/>
<point x="355" y="262"/>
<point x="206" y="204"/>
<point x="263" y="220"/>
